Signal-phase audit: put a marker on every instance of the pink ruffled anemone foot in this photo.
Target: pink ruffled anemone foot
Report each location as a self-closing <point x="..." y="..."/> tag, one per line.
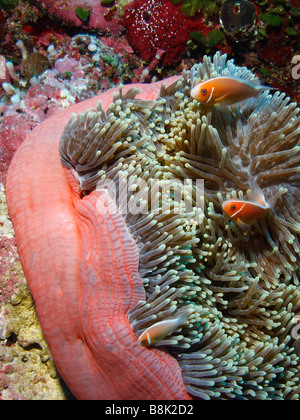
<point x="83" y="284"/>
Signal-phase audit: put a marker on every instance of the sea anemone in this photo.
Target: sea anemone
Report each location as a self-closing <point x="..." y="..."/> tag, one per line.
<point x="240" y="288"/>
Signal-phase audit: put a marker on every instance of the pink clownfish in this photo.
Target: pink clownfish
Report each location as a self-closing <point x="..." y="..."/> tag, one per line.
<point x="245" y="213"/>
<point x="226" y="90"/>
<point x="160" y="330"/>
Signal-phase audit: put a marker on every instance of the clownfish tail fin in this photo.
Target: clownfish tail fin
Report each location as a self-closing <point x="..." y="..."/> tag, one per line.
<point x="262" y="87"/>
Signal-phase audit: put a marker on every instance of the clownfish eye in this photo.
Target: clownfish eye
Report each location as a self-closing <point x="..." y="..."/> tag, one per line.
<point x="144" y="342"/>
<point x="204" y="91"/>
<point x="233" y="207"/>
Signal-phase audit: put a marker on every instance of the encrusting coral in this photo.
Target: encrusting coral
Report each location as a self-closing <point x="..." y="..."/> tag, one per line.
<point x="240" y="288"/>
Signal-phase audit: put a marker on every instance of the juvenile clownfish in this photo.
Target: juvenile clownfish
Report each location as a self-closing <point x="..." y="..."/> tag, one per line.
<point x="243" y="212"/>
<point x="226" y="90"/>
<point x="160" y="330"/>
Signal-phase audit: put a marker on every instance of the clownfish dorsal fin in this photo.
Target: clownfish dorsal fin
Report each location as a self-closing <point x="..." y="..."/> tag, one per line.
<point x="257" y="196"/>
<point x="255" y="83"/>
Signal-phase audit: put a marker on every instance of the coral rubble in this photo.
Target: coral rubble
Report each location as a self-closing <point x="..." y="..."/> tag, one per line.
<point x="35" y="92"/>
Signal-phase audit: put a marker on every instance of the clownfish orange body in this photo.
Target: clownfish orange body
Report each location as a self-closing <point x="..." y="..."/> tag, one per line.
<point x="160" y="330"/>
<point x="245" y="212"/>
<point x="226" y="90"/>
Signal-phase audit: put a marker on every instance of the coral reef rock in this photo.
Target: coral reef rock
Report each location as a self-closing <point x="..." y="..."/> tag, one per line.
<point x="84" y="13"/>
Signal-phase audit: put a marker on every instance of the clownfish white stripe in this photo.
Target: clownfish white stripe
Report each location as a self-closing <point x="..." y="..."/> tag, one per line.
<point x="160" y="330"/>
<point x="238" y="210"/>
<point x="247" y="212"/>
<point x="212" y="91"/>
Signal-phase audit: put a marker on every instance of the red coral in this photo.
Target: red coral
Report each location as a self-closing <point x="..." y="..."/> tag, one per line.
<point x="154" y="25"/>
<point x="14" y="129"/>
<point x="277" y="50"/>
